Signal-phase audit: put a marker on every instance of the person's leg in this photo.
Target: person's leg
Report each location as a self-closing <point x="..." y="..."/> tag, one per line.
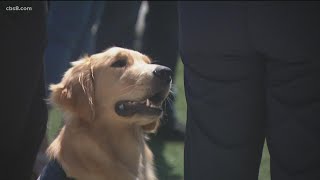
<point x="224" y="83"/>
<point x="117" y="25"/>
<point x="293" y="118"/>
<point x="24" y="114"/>
<point x="66" y="23"/>
<point x="288" y="35"/>
<point x="86" y="44"/>
<point x="160" y="42"/>
<point x="160" y="38"/>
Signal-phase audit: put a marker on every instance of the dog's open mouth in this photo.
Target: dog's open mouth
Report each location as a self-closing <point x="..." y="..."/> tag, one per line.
<point x="150" y="106"/>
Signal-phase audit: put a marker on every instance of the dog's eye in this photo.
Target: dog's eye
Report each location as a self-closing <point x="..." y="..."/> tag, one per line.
<point x="119" y="63"/>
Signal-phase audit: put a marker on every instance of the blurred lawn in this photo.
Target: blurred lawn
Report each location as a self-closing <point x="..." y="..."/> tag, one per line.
<point x="168" y="155"/>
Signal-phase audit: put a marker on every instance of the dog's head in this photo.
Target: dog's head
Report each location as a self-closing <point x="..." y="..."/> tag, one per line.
<point x="118" y="85"/>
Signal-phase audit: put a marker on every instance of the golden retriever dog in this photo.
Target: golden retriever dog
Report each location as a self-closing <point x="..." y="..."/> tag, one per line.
<point x="110" y="101"/>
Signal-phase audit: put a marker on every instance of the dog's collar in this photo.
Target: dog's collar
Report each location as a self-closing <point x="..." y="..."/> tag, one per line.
<point x="53" y="171"/>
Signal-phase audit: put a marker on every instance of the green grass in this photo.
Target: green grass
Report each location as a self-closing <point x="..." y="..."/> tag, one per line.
<point x="168" y="155"/>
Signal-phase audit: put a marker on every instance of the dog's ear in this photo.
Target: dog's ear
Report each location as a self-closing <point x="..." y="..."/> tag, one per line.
<point x="75" y="93"/>
<point x="152" y="127"/>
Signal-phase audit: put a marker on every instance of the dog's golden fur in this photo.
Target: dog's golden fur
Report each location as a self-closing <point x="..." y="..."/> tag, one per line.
<point x="96" y="143"/>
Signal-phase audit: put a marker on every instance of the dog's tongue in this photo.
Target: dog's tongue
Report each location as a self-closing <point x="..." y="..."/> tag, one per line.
<point x="129" y="109"/>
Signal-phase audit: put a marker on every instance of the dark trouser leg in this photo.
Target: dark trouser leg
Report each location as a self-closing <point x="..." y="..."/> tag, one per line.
<point x="24" y="115"/>
<point x="117" y="25"/>
<point x="293" y="132"/>
<point x="224" y="82"/>
<point x="66" y="25"/>
<point x="288" y="35"/>
<point x="87" y="42"/>
<point x="224" y="136"/>
<point x="160" y="42"/>
<point x="160" y="39"/>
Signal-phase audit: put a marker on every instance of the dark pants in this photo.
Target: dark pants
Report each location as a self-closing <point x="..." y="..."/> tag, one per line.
<point x="117" y="26"/>
<point x="23" y="112"/>
<point x="160" y="38"/>
<point x="160" y="42"/>
<point x="252" y="71"/>
<point x="70" y="25"/>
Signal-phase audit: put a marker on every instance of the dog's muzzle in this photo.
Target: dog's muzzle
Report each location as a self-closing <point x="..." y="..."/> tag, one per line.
<point x="150" y="105"/>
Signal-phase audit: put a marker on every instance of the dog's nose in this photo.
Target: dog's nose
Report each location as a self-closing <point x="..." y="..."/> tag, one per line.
<point x="163" y="73"/>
